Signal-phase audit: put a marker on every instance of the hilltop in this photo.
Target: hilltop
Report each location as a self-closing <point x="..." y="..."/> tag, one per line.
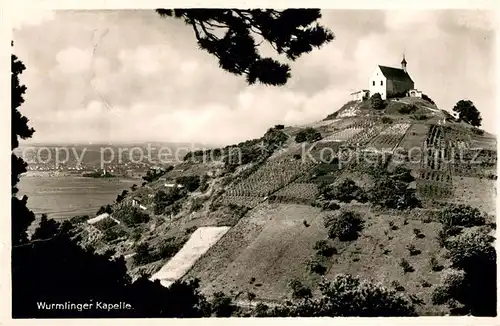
<point x="281" y="195"/>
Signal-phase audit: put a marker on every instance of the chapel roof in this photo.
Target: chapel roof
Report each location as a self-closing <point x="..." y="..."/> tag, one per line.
<point x="395" y="73"/>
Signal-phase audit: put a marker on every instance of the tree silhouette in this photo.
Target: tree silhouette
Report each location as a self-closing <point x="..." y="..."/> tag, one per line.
<point x="291" y="32"/>
<point x="468" y="113"/>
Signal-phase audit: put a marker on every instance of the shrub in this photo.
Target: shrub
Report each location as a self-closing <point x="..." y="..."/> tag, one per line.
<point x="315" y="266"/>
<point x="222" y="305"/>
<point x="397" y="286"/>
<point x="346" y="192"/>
<point x="105" y="224"/>
<point x="419" y="117"/>
<point x="346" y="226"/>
<point x="461" y="216"/>
<point x="299" y="291"/>
<point x="169" y="249"/>
<point x="196" y="204"/>
<point x="162" y="199"/>
<point x="451" y="287"/>
<point x="79" y="219"/>
<point x="348" y="296"/>
<point x="407" y="268"/>
<point x="131" y="215"/>
<point x="308" y="135"/>
<point x="393" y="193"/>
<point x="261" y="310"/>
<point x="387" y="120"/>
<point x="191" y="182"/>
<point x="324" y="249"/>
<point x="427" y="98"/>
<point x="435" y="265"/>
<point x="412" y="250"/>
<point x="470" y="249"/>
<point x="142" y="254"/>
<point x="425" y="284"/>
<point x="279" y="127"/>
<point x="331" y="205"/>
<point x="376" y="101"/>
<point x="105" y="209"/>
<point x="407" y="109"/>
<point x="113" y="234"/>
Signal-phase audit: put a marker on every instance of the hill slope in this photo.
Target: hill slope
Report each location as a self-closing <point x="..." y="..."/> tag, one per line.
<point x="276" y="199"/>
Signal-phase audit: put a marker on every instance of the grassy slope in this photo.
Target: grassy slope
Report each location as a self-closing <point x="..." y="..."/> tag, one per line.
<point x="272" y="244"/>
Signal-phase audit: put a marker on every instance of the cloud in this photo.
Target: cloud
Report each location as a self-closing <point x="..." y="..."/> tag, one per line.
<point x="26" y="17"/>
<point x="73" y="60"/>
<point x="148" y="80"/>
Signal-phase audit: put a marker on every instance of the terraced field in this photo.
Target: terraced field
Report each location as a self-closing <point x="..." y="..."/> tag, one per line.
<point x="302" y="193"/>
<point x="343" y="135"/>
<point x="271" y="176"/>
<point x="247" y="201"/>
<point x="270" y="245"/>
<point x="366" y="135"/>
<point x="435" y="181"/>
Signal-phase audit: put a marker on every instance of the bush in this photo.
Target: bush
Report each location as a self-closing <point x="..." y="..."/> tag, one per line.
<point x="79" y="219"/>
<point x="435" y="265"/>
<point x="412" y="250"/>
<point x="324" y="249"/>
<point x="348" y="296"/>
<point x="142" y="254"/>
<point x="387" y="120"/>
<point x="472" y="252"/>
<point x="169" y="249"/>
<point x="393" y="193"/>
<point x="113" y="234"/>
<point x="346" y="226"/>
<point x="407" y="109"/>
<point x="105" y="209"/>
<point x="162" y="199"/>
<point x="121" y="196"/>
<point x="376" y="101"/>
<point x="131" y="215"/>
<point x="190" y="183"/>
<point x="261" y="310"/>
<point x="222" y="305"/>
<point x="346" y="192"/>
<point x="407" y="268"/>
<point x="279" y="127"/>
<point x="315" y="266"/>
<point x="308" y="135"/>
<point x="427" y="98"/>
<point x="105" y="224"/>
<point x="452" y="283"/>
<point x="461" y="216"/>
<point x="397" y="286"/>
<point x="299" y="291"/>
<point x="420" y="117"/>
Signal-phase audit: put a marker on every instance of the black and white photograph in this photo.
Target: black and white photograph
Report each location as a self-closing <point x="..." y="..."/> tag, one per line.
<point x="218" y="162"/>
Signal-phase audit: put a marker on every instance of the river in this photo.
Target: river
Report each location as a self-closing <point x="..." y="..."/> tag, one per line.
<point x="62" y="197"/>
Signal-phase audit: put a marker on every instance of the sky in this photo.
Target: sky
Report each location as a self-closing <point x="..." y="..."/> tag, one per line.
<point x="119" y="76"/>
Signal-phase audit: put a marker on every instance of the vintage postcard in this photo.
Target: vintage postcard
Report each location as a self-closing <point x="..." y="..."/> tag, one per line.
<point x="252" y="163"/>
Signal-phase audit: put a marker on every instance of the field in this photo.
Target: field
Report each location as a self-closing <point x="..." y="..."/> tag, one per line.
<point x="385" y="142"/>
<point x="480" y="193"/>
<point x="377" y="253"/>
<point x="343" y="135"/>
<point x="247" y="201"/>
<point x="272" y="245"/>
<point x="199" y="243"/>
<point x="364" y="137"/>
<point x="297" y="192"/>
<point x="271" y="176"/>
